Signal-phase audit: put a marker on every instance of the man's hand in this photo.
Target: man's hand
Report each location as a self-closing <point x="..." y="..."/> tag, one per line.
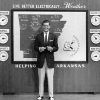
<point x="41" y="49"/>
<point x="49" y="48"/>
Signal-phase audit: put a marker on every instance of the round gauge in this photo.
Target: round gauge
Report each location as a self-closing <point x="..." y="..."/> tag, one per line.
<point x="3" y="38"/>
<point x="71" y="47"/>
<point x="3" y="56"/>
<point x="3" y="20"/>
<point x="95" y="56"/>
<point x="95" y="20"/>
<point x="95" y="38"/>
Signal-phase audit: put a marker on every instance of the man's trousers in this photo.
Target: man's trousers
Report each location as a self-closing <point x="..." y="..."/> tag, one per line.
<point x="50" y="73"/>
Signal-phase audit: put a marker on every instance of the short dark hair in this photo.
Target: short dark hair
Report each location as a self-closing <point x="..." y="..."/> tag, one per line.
<point x="46" y="21"/>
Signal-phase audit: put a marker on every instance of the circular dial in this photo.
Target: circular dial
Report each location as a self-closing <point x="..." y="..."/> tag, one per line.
<point x="95" y="38"/>
<point x="71" y="47"/>
<point x="95" y="20"/>
<point x="95" y="56"/>
<point x="3" y="38"/>
<point x="3" y="56"/>
<point x="3" y="20"/>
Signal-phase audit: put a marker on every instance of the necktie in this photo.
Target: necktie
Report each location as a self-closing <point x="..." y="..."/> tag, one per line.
<point x="46" y="38"/>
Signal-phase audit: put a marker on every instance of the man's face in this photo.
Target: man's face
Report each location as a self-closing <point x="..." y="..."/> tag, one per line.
<point x="46" y="27"/>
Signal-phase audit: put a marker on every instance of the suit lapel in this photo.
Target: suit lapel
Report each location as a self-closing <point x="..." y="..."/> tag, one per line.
<point x="49" y="38"/>
<point x="42" y="37"/>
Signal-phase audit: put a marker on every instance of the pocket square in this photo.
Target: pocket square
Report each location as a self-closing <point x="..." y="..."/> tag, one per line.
<point x="50" y="40"/>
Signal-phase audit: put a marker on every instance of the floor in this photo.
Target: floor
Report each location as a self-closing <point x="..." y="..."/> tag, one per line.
<point x="57" y="97"/>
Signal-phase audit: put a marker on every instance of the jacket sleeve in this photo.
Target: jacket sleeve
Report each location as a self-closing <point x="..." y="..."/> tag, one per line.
<point x="36" y="44"/>
<point x="55" y="44"/>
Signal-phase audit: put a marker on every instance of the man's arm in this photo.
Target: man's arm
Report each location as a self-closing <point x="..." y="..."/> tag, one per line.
<point x="55" y="44"/>
<point x="36" y="45"/>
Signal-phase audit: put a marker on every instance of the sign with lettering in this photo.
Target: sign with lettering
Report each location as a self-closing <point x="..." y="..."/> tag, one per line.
<point x="69" y="26"/>
<point x="45" y="4"/>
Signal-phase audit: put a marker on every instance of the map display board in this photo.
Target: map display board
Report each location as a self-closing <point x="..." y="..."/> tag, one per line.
<point x="69" y="26"/>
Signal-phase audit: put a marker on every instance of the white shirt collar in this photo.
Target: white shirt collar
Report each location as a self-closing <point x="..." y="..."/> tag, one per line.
<point x="45" y="34"/>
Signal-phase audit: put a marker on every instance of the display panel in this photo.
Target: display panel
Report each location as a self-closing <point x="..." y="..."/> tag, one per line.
<point x="70" y="26"/>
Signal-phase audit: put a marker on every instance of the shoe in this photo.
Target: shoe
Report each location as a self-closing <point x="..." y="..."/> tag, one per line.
<point x="40" y="98"/>
<point x="51" y="98"/>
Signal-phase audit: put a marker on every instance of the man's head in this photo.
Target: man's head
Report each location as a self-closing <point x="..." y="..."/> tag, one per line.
<point x="46" y="25"/>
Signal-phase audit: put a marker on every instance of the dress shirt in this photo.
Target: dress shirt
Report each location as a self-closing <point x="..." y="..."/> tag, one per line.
<point x="45" y="35"/>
